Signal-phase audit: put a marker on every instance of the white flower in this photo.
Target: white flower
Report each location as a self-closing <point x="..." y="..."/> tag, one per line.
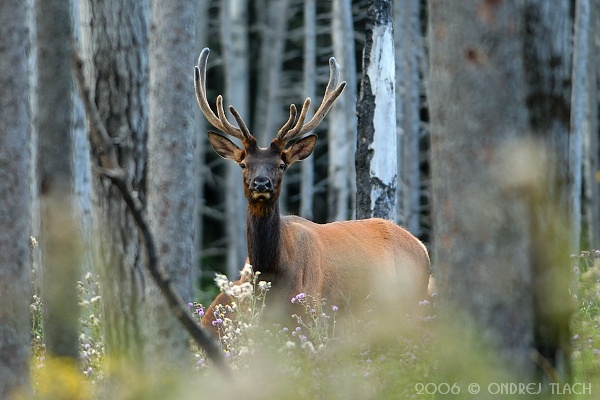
<point x="246" y="273"/>
<point x="243" y="291"/>
<point x="222" y="282"/>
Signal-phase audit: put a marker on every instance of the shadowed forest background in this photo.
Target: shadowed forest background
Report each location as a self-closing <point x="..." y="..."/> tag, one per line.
<point x="494" y="148"/>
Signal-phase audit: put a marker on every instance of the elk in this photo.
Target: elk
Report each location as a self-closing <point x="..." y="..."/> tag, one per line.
<point x="342" y="261"/>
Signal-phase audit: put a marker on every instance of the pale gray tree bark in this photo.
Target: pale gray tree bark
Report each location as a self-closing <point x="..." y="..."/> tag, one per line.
<point x="499" y="185"/>
<point x="115" y="54"/>
<point x="170" y="188"/>
<point x="15" y="199"/>
<point x="307" y="173"/>
<point x="268" y="111"/>
<point x="409" y="51"/>
<point x="376" y="156"/>
<point x="234" y="43"/>
<point x="59" y="237"/>
<point x="580" y="81"/>
<point x="591" y="145"/>
<point x="341" y="135"/>
<point x="200" y="127"/>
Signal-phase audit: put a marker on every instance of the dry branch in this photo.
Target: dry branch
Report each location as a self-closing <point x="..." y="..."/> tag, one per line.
<point x="110" y="168"/>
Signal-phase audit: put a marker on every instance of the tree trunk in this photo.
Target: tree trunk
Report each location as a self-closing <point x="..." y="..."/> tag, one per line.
<point x="499" y="185"/>
<point x="115" y="53"/>
<point x="580" y="80"/>
<point x="307" y="173"/>
<point x="235" y="56"/>
<point x="200" y="127"/>
<point x="342" y="118"/>
<point x="59" y="241"/>
<point x="15" y="199"/>
<point x="591" y="152"/>
<point x="376" y="156"/>
<point x="170" y="176"/>
<point x="268" y="112"/>
<point x="409" y="49"/>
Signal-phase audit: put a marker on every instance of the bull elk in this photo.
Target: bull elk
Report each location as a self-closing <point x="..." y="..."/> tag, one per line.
<point x="340" y="261"/>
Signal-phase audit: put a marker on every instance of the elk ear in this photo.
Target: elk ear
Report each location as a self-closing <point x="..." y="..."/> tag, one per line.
<point x="300" y="149"/>
<point x="225" y="147"/>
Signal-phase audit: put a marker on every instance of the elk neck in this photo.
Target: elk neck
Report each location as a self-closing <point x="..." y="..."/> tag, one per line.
<point x="263" y="227"/>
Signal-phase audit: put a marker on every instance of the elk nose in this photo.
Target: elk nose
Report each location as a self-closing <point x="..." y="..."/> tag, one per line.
<point x="261" y="184"/>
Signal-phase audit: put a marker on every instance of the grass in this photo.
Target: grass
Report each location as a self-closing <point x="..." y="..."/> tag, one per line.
<point x="305" y="359"/>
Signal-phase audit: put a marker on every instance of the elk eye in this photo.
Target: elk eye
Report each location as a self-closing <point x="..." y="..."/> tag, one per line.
<point x="242" y="165"/>
<point x="282" y="166"/>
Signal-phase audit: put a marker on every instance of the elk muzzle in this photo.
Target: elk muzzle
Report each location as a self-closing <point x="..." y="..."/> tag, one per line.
<point x="261" y="188"/>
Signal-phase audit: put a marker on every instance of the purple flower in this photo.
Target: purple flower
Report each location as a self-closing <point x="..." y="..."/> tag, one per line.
<point x="190" y="305"/>
<point x="303" y="338"/>
<point x="293" y="300"/>
<point x="298" y="329"/>
<point x="200" y="311"/>
<point x="335" y="308"/>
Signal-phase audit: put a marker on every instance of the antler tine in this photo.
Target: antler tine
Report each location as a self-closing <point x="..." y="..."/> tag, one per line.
<point x="332" y="92"/>
<point x="286" y="127"/>
<point x="241" y="123"/>
<point x="220" y="122"/>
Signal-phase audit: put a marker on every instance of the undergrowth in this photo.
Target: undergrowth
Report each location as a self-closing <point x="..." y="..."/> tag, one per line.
<point x="306" y="358"/>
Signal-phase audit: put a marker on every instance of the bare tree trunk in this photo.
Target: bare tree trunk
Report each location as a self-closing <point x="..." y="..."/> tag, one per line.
<point x="267" y="112"/>
<point x="82" y="169"/>
<point x="310" y="56"/>
<point x="342" y="118"/>
<point x="116" y="58"/>
<point x="580" y="81"/>
<point x="591" y="152"/>
<point x="15" y="199"/>
<point x="59" y="241"/>
<point x="170" y="178"/>
<point x="235" y="56"/>
<point x="200" y="127"/>
<point x="409" y="49"/>
<point x="499" y="185"/>
<point x="376" y="156"/>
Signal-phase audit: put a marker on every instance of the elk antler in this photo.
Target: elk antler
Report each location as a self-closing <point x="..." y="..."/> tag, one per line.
<point x="332" y="92"/>
<point x="220" y="122"/>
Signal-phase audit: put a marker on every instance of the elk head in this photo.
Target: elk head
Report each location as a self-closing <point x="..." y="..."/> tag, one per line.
<point x="263" y="167"/>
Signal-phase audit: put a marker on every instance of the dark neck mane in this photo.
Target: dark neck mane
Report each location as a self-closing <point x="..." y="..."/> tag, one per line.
<point x="263" y="228"/>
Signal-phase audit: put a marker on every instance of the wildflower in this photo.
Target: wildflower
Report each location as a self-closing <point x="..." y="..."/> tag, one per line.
<point x="303" y="338"/>
<point x="298" y="329"/>
<point x="424" y="303"/>
<point x="200" y="311"/>
<point x="246" y="273"/>
<point x="334" y="308"/>
<point x="243" y="291"/>
<point x="222" y="281"/>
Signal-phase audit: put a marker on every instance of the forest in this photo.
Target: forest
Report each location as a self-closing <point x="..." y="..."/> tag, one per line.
<point x="472" y="124"/>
